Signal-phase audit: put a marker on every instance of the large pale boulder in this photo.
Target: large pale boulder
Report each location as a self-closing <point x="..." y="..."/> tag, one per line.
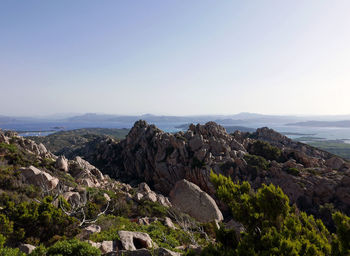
<point x="189" y="198"/>
<point x="135" y="240"/>
<point x="39" y="178"/>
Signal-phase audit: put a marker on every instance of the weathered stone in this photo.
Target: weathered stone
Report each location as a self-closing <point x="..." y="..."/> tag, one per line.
<point x="151" y="196"/>
<point x="138" y="196"/>
<point x="39" y="178"/>
<point x="107" y="246"/>
<point x="189" y="198"/>
<point x="85" y="173"/>
<point x="135" y="240"/>
<point x="42" y="149"/>
<point x="62" y="163"/>
<point x="163" y="200"/>
<point x="144" y="188"/>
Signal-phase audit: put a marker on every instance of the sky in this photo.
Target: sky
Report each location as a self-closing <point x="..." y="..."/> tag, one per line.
<point x="183" y="57"/>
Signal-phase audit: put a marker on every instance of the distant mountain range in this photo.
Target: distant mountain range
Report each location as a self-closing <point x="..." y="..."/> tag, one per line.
<point x="253" y="120"/>
<point x="337" y="124"/>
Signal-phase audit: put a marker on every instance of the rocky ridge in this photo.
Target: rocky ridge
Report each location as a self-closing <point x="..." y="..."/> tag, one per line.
<point x="309" y="176"/>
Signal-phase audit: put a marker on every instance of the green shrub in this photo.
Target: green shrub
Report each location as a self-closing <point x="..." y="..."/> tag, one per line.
<point x="265" y="149"/>
<point x="257" y="161"/>
<point x="272" y="226"/>
<point x="154" y="209"/>
<point x="39" y="251"/>
<point x="11" y="252"/>
<point x="35" y="221"/>
<point x="72" y="248"/>
<point x="341" y="243"/>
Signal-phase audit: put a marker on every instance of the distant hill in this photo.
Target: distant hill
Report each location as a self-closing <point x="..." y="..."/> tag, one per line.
<point x="64" y="142"/>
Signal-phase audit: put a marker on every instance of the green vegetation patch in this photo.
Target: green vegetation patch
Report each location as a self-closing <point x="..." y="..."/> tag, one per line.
<point x="272" y="226"/>
<point x="265" y="150"/>
<point x="67" y="141"/>
<point x="258" y="161"/>
<point x="335" y="147"/>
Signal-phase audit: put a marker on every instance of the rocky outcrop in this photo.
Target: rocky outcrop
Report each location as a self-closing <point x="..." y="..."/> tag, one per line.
<point x="33" y="175"/>
<point x="161" y="159"/>
<point x="85" y="173"/>
<point x="283" y="142"/>
<point x="189" y="198"/>
<point x="26" y="144"/>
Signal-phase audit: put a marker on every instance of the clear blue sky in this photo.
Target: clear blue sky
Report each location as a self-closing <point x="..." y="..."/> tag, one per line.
<point x="174" y="57"/>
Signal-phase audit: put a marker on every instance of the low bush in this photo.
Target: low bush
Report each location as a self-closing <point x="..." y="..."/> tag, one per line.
<point x="72" y="248"/>
<point x="265" y="149"/>
<point x="257" y="161"/>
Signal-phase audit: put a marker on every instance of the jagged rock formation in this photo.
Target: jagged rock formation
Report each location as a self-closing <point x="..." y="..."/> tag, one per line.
<point x="161" y="159"/>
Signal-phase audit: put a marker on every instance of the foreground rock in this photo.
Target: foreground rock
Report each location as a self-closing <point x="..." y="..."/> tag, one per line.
<point x="190" y="199"/>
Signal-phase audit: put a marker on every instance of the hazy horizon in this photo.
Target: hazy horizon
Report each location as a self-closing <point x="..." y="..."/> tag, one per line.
<point x="180" y="58"/>
<point x="67" y="115"/>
